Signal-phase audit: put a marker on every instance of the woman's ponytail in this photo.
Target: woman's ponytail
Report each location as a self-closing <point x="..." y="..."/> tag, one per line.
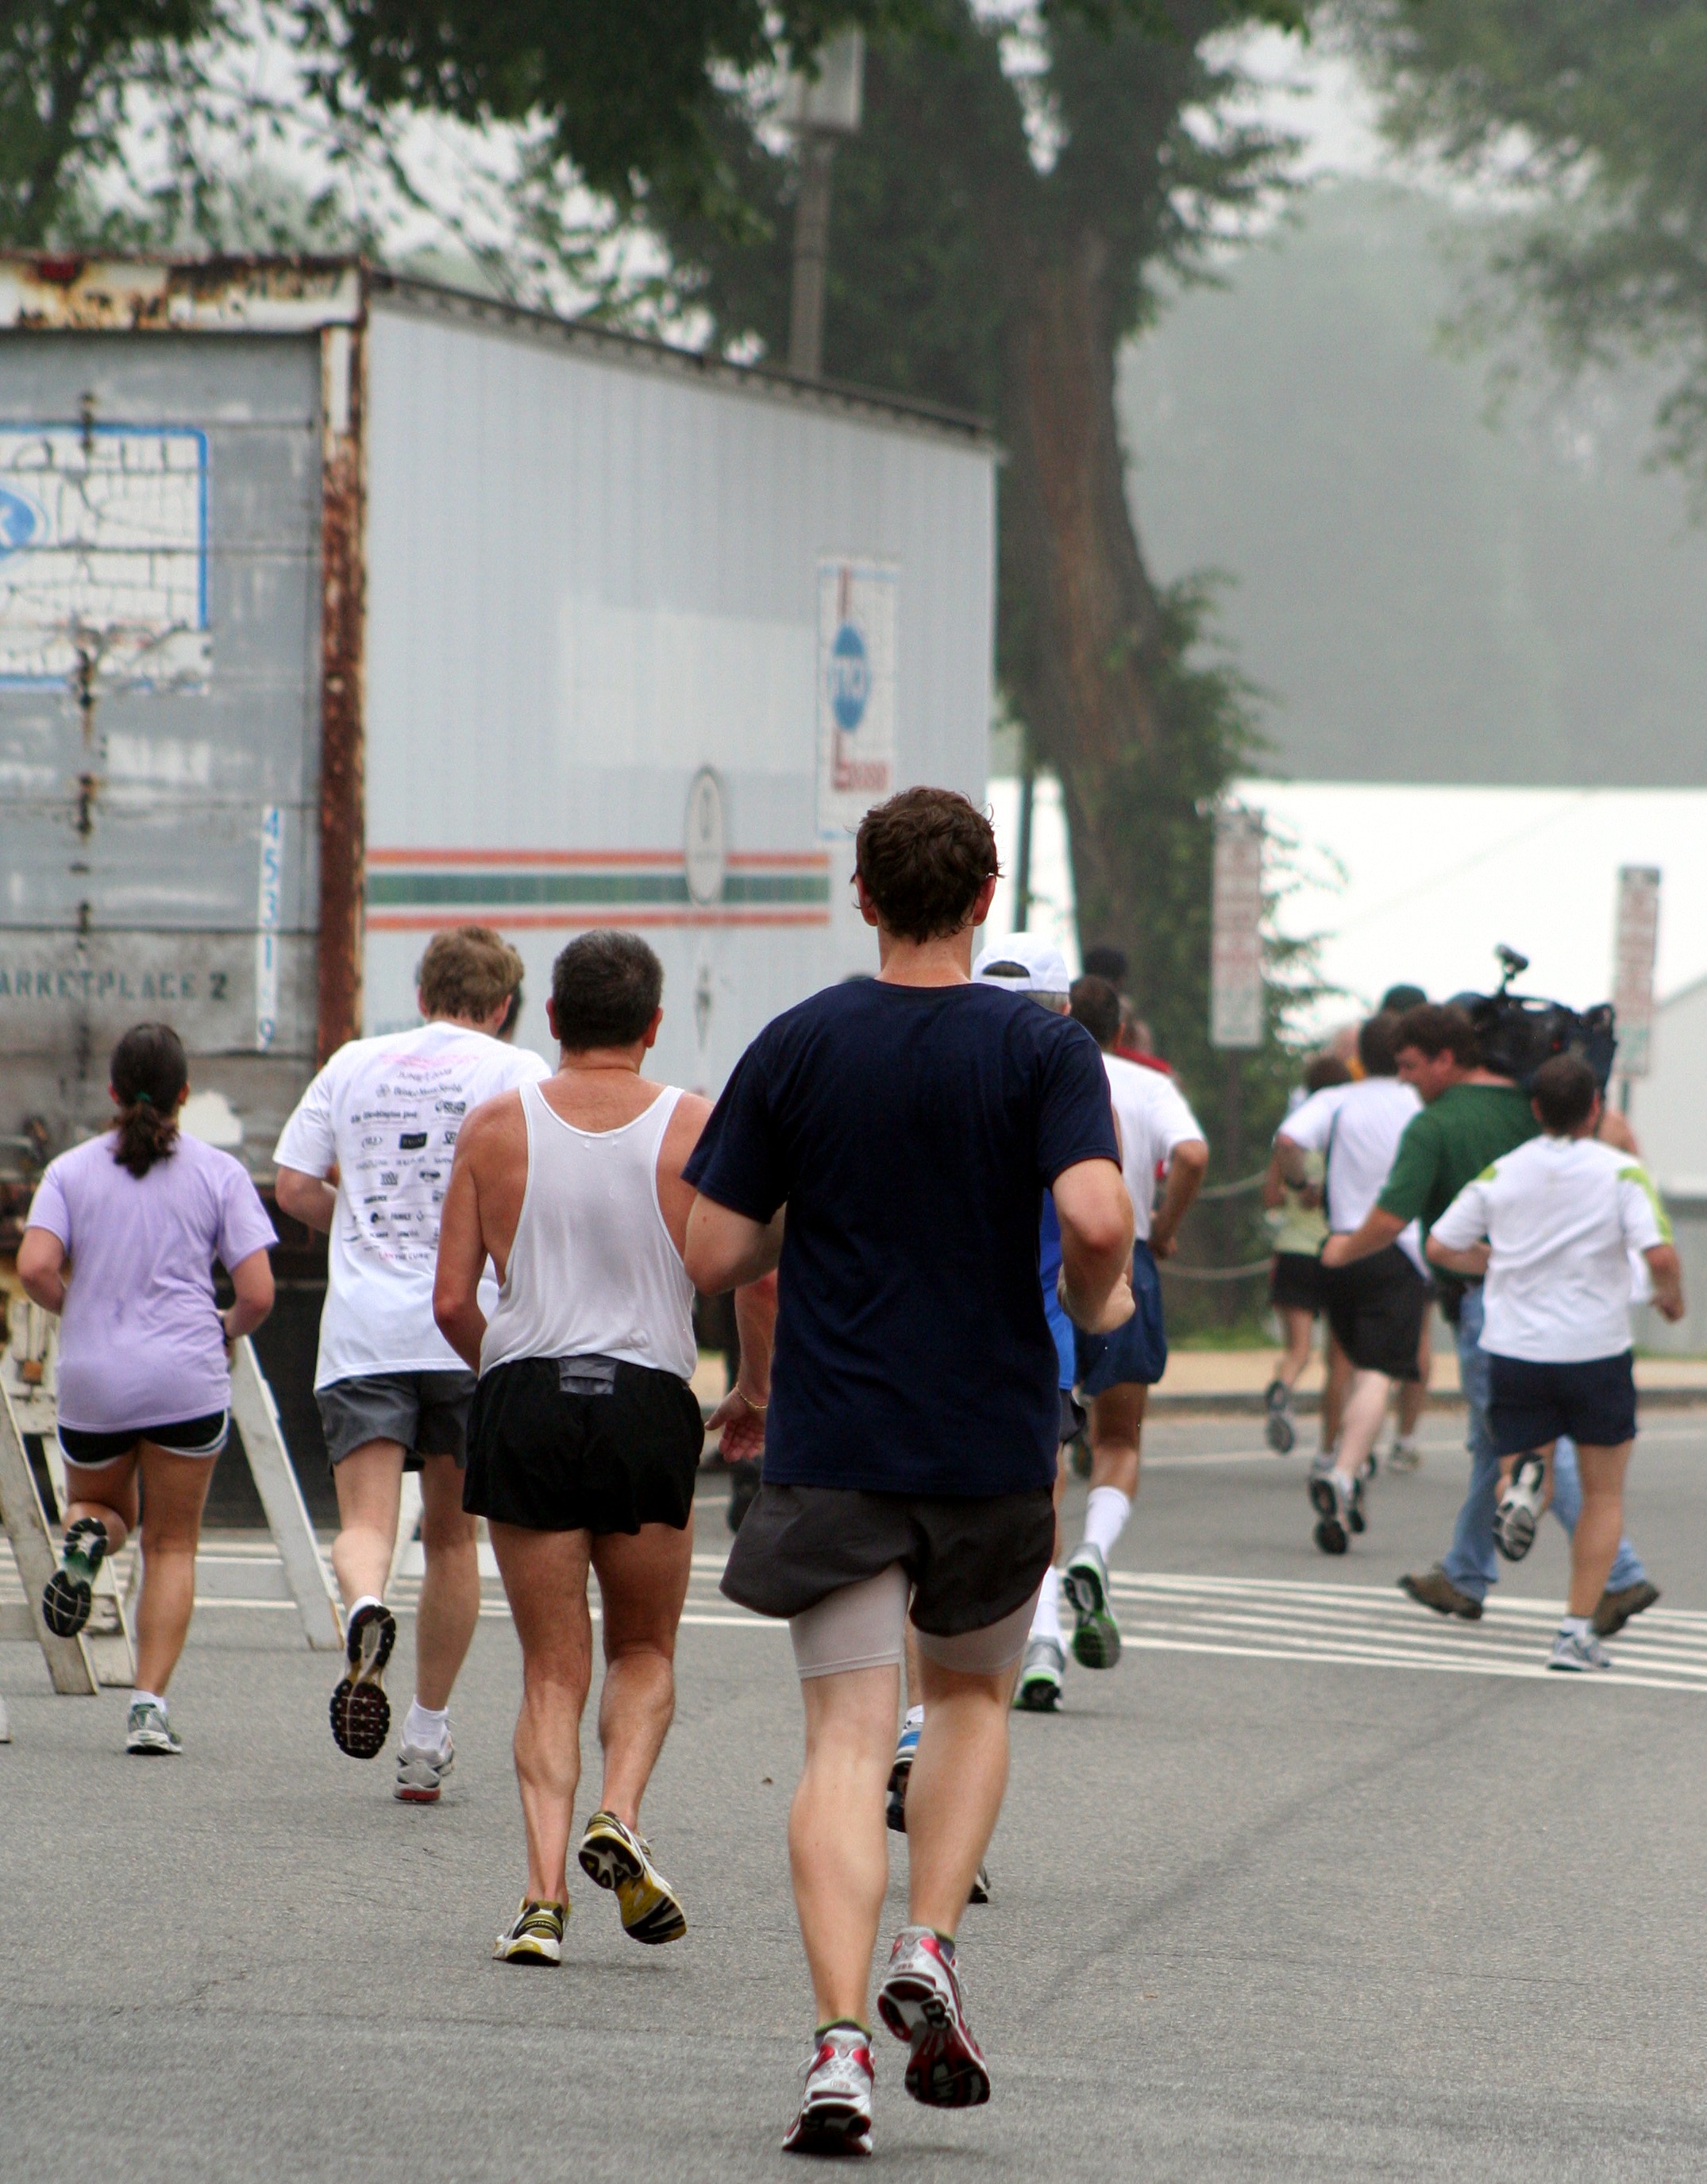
<point x="148" y="1076"/>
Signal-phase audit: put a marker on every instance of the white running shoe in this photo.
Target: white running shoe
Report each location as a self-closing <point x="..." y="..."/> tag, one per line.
<point x="1338" y="1504"/>
<point x="148" y="1732"/>
<point x="1039" y="1688"/>
<point x="1520" y="1509"/>
<point x="421" y="1773"/>
<point x="836" y="2108"/>
<point x="920" y="2001"/>
<point x="1278" y="1429"/>
<point x="1404" y="1456"/>
<point x="1577" y="1656"/>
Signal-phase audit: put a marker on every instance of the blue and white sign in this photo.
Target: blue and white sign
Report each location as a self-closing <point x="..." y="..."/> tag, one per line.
<point x="103" y="555"/>
<point x="856" y="691"/>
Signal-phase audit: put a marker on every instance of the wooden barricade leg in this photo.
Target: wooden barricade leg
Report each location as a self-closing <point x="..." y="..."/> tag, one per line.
<point x="68" y="1660"/>
<point x="287" y="1516"/>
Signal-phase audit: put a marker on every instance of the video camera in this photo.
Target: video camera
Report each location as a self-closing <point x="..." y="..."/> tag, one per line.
<point x="1517" y="1033"/>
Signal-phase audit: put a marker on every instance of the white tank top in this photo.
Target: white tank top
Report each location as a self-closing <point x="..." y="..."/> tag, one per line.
<point x="593" y="1271"/>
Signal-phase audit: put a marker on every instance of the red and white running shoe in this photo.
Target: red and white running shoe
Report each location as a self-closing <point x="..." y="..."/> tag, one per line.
<point x="835" y="2114"/>
<point x="920" y="2001"/>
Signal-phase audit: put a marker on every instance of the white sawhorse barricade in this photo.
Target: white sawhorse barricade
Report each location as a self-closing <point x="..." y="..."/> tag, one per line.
<point x="103" y="1652"/>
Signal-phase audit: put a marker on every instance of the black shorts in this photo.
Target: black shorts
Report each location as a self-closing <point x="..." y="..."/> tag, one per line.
<point x="1531" y="1405"/>
<point x="1295" y="1282"/>
<point x="972" y="1559"/>
<point x="1376" y="1308"/>
<point x="582" y="1445"/>
<point x="203" y="1436"/>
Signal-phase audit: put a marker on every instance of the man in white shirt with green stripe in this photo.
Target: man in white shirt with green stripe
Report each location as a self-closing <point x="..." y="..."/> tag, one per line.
<point x="1551" y="1225"/>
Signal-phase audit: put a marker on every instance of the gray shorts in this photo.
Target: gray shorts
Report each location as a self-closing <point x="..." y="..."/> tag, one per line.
<point x="426" y="1411"/>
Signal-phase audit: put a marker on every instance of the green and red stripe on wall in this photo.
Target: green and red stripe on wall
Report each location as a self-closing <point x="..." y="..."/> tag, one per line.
<point x="419" y="890"/>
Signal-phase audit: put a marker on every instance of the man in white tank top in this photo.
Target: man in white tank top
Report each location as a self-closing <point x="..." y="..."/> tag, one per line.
<point x="585" y="1436"/>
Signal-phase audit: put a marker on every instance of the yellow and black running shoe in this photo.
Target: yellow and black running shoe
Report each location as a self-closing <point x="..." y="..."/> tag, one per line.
<point x="617" y="1859"/>
<point x="534" y="1936"/>
<point x="361" y="1713"/>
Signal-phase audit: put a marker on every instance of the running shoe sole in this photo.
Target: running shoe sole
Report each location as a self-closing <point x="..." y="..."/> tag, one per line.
<point x="1514" y="1520"/>
<point x="65" y="1604"/>
<point x="1097" y="1641"/>
<point x="895" y="1810"/>
<point x="361" y="1713"/>
<point x="65" y="1599"/>
<point x="834" y="2131"/>
<point x="152" y="1744"/>
<point x="980" y="1886"/>
<point x="1331" y="1531"/>
<point x="543" y="1947"/>
<point x="1039" y="1695"/>
<point x="1280" y="1434"/>
<point x="943" y="2070"/>
<point x="651" y="1911"/>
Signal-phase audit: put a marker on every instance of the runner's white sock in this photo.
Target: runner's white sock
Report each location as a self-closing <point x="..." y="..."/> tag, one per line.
<point x="367" y="1600"/>
<point x="1574" y="1626"/>
<point x="915" y="1718"/>
<point x="428" y="1727"/>
<point x="1046" y="1621"/>
<point x="148" y="1698"/>
<point x="1106" y="1512"/>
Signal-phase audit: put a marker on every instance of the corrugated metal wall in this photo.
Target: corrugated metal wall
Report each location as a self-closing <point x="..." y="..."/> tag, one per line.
<point x="590" y="577"/>
<point x="159" y="627"/>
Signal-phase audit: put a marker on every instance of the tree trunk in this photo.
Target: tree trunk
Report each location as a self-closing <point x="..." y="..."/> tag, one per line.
<point x="1083" y="666"/>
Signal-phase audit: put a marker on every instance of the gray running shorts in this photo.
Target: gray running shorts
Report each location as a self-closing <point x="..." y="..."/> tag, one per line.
<point x="971" y="1561"/>
<point x="426" y="1411"/>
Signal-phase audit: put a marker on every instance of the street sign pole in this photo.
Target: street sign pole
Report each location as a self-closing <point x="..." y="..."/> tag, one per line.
<point x="1635" y="944"/>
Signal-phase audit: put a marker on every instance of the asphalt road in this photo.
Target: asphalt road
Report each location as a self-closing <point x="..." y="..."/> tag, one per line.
<point x="1314" y="1886"/>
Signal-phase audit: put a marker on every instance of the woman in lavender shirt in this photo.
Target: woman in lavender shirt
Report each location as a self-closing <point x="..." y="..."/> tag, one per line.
<point x="120" y="1241"/>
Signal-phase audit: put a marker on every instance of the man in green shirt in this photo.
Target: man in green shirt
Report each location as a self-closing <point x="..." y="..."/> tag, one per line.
<point x="1470" y="1117"/>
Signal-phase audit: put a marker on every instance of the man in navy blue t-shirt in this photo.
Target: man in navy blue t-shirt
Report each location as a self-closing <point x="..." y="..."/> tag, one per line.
<point x="886" y="1146"/>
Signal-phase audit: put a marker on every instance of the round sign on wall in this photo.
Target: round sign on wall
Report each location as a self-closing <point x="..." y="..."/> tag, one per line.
<point x="850" y="677"/>
<point x="706" y="847"/>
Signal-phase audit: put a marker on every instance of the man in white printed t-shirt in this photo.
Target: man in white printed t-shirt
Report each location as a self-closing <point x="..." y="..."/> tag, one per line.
<point x="1375" y="1305"/>
<point x="366" y="1158"/>
<point x="1551" y="1227"/>
<point x="1159" y="1134"/>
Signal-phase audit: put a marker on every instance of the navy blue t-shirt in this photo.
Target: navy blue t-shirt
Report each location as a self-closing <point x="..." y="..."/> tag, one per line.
<point x="911" y="1131"/>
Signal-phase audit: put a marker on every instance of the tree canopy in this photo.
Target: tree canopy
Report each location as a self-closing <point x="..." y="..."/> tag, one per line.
<point x="1594" y="109"/>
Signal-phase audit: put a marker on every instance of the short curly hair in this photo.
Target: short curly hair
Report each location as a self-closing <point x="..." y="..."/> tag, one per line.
<point x="469" y="972"/>
<point x="923" y="857"/>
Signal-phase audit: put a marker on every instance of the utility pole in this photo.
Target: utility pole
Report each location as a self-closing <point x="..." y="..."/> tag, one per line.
<point x="1022" y="862"/>
<point x="819" y="109"/>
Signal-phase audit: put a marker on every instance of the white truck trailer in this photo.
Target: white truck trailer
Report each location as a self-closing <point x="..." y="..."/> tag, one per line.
<point x="335" y="608"/>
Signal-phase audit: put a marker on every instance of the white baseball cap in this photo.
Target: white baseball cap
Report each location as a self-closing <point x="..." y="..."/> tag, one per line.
<point x="1025" y="965"/>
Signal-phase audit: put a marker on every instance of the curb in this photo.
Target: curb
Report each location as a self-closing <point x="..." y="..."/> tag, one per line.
<point x="1236" y="1403"/>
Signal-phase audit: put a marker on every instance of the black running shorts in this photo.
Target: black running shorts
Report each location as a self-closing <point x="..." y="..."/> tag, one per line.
<point x="204" y="1436"/>
<point x="1593" y="1401"/>
<point x="972" y="1559"/>
<point x="582" y="1445"/>
<point x="1376" y="1308"/>
<point x="1295" y="1282"/>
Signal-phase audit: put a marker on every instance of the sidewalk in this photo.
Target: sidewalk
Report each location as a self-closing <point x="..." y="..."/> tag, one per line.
<point x="1234" y="1380"/>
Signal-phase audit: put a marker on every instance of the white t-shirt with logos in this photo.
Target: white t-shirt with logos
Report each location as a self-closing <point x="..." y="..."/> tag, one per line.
<point x="386" y="1112"/>
<point x="1154" y="1119"/>
<point x="1562" y="1216"/>
<point x="1357" y="1128"/>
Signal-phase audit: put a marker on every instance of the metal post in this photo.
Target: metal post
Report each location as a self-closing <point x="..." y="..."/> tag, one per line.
<point x="1022" y="862"/>
<point x="811" y="249"/>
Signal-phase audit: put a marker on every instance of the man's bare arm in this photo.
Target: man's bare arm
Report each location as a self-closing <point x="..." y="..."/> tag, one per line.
<point x="1667" y="1270"/>
<point x="1290" y="1158"/>
<point x="1096" y="1219"/>
<point x="310" y="1199"/>
<point x="1472" y="1262"/>
<point x="1187" y="1166"/>
<point x="461" y="1254"/>
<point x="725" y="1249"/>
<point x="1376" y="1232"/>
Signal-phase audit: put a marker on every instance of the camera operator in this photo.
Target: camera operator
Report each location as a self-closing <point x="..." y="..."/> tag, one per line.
<point x="1550" y="1227"/>
<point x="1472" y="1116"/>
<point x="1375" y="1305"/>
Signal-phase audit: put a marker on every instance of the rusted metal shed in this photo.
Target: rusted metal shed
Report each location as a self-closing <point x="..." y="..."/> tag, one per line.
<point x="335" y="608"/>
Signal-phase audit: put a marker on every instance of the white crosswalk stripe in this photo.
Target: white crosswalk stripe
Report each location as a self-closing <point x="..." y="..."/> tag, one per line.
<point x="1368" y="1626"/>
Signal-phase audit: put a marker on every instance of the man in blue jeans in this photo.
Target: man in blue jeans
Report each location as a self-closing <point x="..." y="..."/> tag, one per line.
<point x="1470" y="1117"/>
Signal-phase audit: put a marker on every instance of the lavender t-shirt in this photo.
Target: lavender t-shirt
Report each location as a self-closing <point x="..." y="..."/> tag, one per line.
<point x="140" y="1341"/>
